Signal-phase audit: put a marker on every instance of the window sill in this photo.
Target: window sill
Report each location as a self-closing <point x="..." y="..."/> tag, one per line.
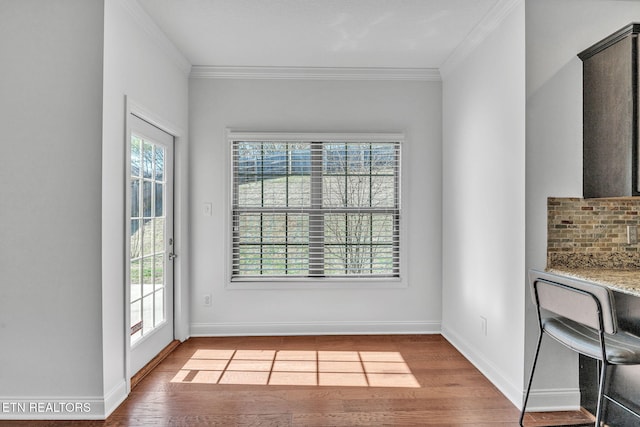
<point x="313" y="283"/>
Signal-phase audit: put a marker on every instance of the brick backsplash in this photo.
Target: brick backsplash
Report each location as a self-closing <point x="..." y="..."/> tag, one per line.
<point x="591" y="232"/>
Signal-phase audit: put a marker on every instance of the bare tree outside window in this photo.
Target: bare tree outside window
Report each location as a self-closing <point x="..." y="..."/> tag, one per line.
<point x="359" y="176"/>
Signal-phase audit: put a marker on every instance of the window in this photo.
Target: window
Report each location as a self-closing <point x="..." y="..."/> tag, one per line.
<point x="315" y="206"/>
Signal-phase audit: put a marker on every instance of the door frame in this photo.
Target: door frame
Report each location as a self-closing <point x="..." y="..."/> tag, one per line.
<point x="180" y="207"/>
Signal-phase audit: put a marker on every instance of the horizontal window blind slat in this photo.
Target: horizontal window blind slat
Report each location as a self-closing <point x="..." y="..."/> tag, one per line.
<point x="310" y="211"/>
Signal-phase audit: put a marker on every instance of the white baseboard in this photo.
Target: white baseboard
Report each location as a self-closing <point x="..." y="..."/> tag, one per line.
<point x="543" y="400"/>
<point x="488" y="369"/>
<point x="114" y="398"/>
<point x="312" y="328"/>
<point x="539" y="399"/>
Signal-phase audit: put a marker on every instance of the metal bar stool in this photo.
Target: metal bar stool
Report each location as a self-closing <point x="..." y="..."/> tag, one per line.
<point x="581" y="316"/>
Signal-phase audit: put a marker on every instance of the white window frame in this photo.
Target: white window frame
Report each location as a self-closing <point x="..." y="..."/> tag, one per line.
<point x="267" y="282"/>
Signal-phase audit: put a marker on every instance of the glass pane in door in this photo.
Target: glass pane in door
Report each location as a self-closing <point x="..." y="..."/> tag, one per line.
<point x="147" y="273"/>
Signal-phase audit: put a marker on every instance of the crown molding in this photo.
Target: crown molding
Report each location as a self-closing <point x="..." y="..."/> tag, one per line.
<point x="492" y="19"/>
<point x="314" y="73"/>
<point x="148" y="25"/>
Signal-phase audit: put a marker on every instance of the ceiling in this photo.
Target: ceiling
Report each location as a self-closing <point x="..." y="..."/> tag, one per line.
<point x="318" y="33"/>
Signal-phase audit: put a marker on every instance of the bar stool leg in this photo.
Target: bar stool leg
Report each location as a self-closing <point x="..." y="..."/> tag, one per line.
<point x="603" y="375"/>
<point x="533" y="368"/>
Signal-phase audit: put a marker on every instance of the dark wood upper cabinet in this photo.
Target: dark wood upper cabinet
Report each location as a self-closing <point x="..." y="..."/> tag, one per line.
<point x="610" y="114"/>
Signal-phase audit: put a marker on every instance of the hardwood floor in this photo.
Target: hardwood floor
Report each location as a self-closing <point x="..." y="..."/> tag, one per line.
<point x="394" y="380"/>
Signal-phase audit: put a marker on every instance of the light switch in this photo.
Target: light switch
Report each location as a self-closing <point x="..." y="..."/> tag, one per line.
<point x="207" y="209"/>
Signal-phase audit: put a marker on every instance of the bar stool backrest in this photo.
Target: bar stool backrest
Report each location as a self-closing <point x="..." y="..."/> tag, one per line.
<point x="575" y="300"/>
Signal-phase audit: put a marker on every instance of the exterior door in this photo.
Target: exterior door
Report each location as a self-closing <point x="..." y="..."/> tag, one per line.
<point x="150" y="240"/>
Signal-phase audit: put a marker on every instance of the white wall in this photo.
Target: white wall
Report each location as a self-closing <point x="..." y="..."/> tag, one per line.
<point x="139" y="65"/>
<point x="556" y="31"/>
<point x="50" y="284"/>
<point x="329" y="106"/>
<point x="62" y="295"/>
<point x="484" y="204"/>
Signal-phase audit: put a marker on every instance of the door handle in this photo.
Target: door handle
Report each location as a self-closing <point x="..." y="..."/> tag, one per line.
<point x="172" y="255"/>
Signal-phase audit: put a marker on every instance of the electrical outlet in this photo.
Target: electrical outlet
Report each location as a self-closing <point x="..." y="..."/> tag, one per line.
<point x="632" y="234"/>
<point x="207" y="300"/>
<point x="483" y="325"/>
<point x="207" y="209"/>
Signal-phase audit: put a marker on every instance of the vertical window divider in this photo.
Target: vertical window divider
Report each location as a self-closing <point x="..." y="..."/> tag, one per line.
<point x="262" y="205"/>
<point x="396" y="205"/>
<point x="286" y="215"/>
<point x="347" y="237"/>
<point x="316" y="217"/>
<point x="371" y="257"/>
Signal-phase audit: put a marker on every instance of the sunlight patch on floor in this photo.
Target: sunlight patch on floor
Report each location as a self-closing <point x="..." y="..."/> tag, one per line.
<point x="299" y="368"/>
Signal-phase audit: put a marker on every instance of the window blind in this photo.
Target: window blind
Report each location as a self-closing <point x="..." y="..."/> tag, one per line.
<point x="316" y="209"/>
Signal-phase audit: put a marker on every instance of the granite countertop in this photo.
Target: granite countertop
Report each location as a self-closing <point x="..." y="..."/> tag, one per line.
<point x="626" y="280"/>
